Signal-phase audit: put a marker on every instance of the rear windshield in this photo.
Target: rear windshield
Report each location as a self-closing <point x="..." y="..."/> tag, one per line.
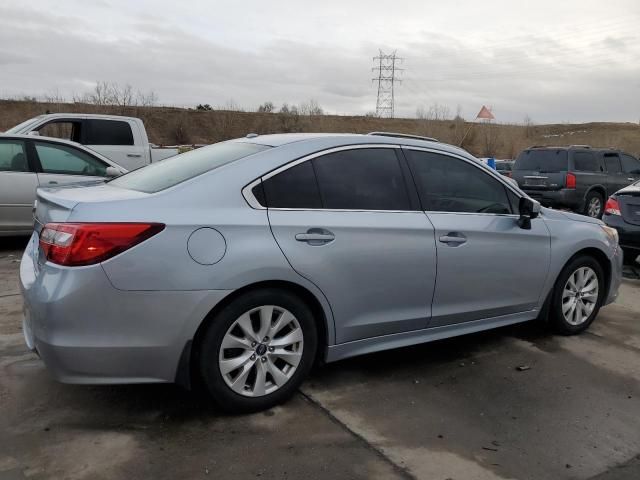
<point x="503" y="166"/>
<point x="543" y="161"/>
<point x="174" y="170"/>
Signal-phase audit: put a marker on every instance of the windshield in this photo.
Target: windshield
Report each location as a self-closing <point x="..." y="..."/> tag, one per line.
<point x="543" y="161"/>
<point x="21" y="126"/>
<point x="174" y="170"/>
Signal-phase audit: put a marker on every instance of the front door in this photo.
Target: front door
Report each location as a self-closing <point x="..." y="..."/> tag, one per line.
<point x="64" y="164"/>
<point x="18" y="183"/>
<point x="487" y="265"/>
<point x="346" y="221"/>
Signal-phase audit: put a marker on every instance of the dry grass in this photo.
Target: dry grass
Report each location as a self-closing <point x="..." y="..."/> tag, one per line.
<point x="176" y="125"/>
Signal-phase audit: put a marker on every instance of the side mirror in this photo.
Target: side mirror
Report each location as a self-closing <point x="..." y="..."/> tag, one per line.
<point x="34" y="133"/>
<point x="529" y="209"/>
<point x="113" y="172"/>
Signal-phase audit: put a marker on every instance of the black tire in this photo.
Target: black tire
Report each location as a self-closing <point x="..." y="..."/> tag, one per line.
<point x="591" y="197"/>
<point x="556" y="318"/>
<point x="630" y="257"/>
<point x="220" y="393"/>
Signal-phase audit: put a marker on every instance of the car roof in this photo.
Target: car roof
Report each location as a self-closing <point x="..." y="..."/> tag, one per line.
<point x="281" y="139"/>
<point x="84" y="115"/>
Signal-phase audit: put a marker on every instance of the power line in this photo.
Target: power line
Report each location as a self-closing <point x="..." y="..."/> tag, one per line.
<point x="386" y="79"/>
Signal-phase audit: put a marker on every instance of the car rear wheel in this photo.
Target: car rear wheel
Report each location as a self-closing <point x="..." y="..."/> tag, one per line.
<point x="257" y="351"/>
<point x="577" y="295"/>
<point x="594" y="204"/>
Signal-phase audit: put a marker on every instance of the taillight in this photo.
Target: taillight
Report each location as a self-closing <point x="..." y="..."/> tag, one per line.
<point x="612" y="207"/>
<point x="571" y="180"/>
<point x="75" y="244"/>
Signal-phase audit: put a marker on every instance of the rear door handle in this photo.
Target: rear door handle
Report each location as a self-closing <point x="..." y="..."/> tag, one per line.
<point x="316" y="236"/>
<point x="631" y="179"/>
<point x="453" y="239"/>
<point x="52" y="182"/>
<point x="134" y="155"/>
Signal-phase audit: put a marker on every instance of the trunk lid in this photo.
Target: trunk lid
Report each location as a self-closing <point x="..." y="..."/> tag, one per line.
<point x="629" y="201"/>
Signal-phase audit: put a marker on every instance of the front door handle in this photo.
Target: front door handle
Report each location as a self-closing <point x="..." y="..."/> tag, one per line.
<point x="53" y="182"/>
<point x="316" y="236"/>
<point x="453" y="239"/>
<point x="631" y="179"/>
<point x="134" y="155"/>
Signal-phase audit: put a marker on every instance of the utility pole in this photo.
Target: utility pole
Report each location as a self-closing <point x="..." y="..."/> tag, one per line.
<point x="386" y="69"/>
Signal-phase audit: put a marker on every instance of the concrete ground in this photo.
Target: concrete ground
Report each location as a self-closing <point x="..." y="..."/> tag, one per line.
<point x="455" y="409"/>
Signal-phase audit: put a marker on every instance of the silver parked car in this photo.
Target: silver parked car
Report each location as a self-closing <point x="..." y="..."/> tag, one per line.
<point x="27" y="162"/>
<point x="243" y="263"/>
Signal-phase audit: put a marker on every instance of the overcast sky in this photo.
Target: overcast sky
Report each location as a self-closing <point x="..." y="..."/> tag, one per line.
<point x="555" y="61"/>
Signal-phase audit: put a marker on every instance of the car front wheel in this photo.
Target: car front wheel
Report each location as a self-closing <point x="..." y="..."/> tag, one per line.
<point x="577" y="296"/>
<point x="257" y="351"/>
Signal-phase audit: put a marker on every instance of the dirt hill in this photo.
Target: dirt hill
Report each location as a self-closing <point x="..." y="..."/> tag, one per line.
<point x="177" y="125"/>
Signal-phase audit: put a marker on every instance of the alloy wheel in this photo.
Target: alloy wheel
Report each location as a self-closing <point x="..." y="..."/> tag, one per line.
<point x="594" y="207"/>
<point x="580" y="296"/>
<point x="261" y="351"/>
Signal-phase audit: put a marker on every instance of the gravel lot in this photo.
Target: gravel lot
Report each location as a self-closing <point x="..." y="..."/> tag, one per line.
<point x="458" y="409"/>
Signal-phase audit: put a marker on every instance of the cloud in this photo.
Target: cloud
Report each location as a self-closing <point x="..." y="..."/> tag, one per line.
<point x="290" y="53"/>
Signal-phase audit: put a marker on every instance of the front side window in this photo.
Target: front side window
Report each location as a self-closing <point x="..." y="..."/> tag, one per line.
<point x="585" y="162"/>
<point x="13" y="157"/>
<point x="66" y="160"/>
<point x="362" y="179"/>
<point x="630" y="164"/>
<point x="448" y="184"/>
<point x="612" y="161"/>
<point x="108" y="132"/>
<point x="65" y="130"/>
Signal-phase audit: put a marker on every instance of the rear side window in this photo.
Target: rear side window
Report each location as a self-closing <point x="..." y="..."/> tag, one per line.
<point x="172" y="171"/>
<point x="362" y="179"/>
<point x="13" y="157"/>
<point x="108" y="132"/>
<point x="585" y="162"/>
<point x="630" y="164"/>
<point x="296" y="187"/>
<point x="448" y="184"/>
<point x="542" y="161"/>
<point x="612" y="161"/>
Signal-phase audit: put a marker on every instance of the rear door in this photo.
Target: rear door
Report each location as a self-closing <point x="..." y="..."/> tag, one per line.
<point x="18" y="183"/>
<point x="63" y="164"/>
<point x="347" y="221"/>
<point x="116" y="140"/>
<point x="616" y="177"/>
<point x="631" y="167"/>
<point x="487" y="265"/>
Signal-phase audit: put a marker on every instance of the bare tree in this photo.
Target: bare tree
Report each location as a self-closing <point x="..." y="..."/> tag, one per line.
<point x="311" y="108"/>
<point x="266" y="107"/>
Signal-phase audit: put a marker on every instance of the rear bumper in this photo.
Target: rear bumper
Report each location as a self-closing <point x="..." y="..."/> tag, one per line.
<point x="88" y="332"/>
<point x="556" y="198"/>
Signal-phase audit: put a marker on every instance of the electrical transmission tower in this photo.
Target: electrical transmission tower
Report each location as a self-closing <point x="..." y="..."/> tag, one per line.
<point x="387" y="76"/>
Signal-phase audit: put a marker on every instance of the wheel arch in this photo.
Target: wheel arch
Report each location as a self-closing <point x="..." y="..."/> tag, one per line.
<point x="185" y="372"/>
<point x="600" y="256"/>
<point x="596" y="188"/>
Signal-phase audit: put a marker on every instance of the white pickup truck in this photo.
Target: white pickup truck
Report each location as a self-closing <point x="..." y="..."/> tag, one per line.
<point x="122" y="140"/>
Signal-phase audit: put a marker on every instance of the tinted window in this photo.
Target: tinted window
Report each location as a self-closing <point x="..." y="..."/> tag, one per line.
<point x="65" y="130"/>
<point x="13" y="157"/>
<point x="362" y="179"/>
<point x="630" y="164"/>
<point x="448" y="184"/>
<point x="543" y="161"/>
<point x="585" y="162"/>
<point x="68" y="160"/>
<point x="612" y="161"/>
<point x="504" y="166"/>
<point x="174" y="170"/>
<point x="108" y="132"/>
<point x="296" y="187"/>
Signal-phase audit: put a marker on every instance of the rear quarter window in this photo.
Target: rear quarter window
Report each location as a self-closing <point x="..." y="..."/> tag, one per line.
<point x="172" y="171"/>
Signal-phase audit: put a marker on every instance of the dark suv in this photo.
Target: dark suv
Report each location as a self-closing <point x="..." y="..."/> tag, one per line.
<point x="578" y="177"/>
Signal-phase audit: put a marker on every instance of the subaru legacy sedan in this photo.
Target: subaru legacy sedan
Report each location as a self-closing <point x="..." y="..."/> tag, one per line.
<point x="240" y="265"/>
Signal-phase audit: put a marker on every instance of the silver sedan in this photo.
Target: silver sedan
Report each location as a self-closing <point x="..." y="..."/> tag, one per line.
<point x="240" y="264"/>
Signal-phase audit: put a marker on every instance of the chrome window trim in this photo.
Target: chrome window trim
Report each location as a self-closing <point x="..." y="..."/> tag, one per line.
<point x="253" y="202"/>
